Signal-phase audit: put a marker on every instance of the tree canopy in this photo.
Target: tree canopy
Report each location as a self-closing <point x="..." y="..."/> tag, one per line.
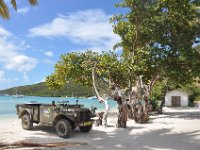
<point x="158" y="37"/>
<point x="77" y="67"/>
<point x="157" y="40"/>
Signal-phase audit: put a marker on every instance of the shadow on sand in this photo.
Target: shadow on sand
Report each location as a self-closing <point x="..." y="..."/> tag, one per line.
<point x="126" y="139"/>
<point x="184" y="115"/>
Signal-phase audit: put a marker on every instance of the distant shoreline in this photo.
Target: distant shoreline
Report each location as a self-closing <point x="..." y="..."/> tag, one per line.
<point x="40" y="89"/>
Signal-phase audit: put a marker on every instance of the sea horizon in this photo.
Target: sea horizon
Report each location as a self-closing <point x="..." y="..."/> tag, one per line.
<point x="8" y="103"/>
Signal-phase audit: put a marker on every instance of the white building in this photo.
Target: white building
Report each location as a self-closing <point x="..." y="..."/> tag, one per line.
<point x="176" y="98"/>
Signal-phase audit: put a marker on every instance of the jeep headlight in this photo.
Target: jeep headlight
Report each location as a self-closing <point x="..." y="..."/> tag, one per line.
<point x="75" y="115"/>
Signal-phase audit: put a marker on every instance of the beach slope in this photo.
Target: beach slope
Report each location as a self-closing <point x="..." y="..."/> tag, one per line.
<point x="177" y="129"/>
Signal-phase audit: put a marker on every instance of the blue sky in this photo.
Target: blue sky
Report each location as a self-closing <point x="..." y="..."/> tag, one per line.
<point x="32" y="40"/>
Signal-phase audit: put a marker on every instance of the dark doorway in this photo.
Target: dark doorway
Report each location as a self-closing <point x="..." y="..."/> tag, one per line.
<point x="176" y="101"/>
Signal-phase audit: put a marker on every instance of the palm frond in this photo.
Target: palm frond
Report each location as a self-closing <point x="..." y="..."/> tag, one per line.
<point x="14" y="4"/>
<point x="33" y="2"/>
<point x="4" y="10"/>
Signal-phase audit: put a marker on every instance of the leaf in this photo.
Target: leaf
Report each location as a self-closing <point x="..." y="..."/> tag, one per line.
<point x="14" y="4"/>
<point x="4" y="10"/>
<point x="33" y="2"/>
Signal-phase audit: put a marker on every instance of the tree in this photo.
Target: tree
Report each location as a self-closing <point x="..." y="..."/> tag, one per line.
<point x="102" y="71"/>
<point x="4" y="12"/>
<point x="157" y="41"/>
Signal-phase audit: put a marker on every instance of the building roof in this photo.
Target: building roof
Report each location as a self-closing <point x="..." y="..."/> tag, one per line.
<point x="178" y="91"/>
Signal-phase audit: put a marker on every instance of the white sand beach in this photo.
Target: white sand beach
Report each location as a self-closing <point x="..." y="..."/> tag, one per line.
<point x="176" y="129"/>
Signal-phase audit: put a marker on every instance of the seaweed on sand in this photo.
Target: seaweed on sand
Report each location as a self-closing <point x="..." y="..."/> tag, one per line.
<point x="24" y="144"/>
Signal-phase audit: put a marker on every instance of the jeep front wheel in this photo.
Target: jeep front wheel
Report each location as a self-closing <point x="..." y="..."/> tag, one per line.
<point x="26" y="122"/>
<point x="63" y="128"/>
<point x="85" y="128"/>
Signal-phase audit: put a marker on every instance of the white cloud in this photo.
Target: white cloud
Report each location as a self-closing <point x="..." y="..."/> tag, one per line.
<point x="89" y="27"/>
<point x="23" y="10"/>
<point x="48" y="53"/>
<point x="4" y="32"/>
<point x="10" y="56"/>
<point x="21" y="63"/>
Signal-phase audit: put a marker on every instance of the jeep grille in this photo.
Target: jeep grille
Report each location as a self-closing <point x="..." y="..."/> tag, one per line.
<point x="85" y="115"/>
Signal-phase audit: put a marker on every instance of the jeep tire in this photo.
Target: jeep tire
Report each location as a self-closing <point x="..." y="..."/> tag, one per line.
<point x="63" y="128"/>
<point x="85" y="128"/>
<point x="26" y="122"/>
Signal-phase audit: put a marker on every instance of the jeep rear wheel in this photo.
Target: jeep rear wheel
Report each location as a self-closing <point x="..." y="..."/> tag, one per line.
<point x="85" y="128"/>
<point x="26" y="122"/>
<point x="63" y="128"/>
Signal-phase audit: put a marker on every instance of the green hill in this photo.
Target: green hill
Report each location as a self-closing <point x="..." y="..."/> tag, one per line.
<point x="40" y="89"/>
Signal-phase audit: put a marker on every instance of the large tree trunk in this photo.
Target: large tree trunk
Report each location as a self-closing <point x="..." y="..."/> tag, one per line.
<point x="139" y="108"/>
<point x="122" y="112"/>
<point x="122" y="117"/>
<point x="117" y="96"/>
<point x="140" y="112"/>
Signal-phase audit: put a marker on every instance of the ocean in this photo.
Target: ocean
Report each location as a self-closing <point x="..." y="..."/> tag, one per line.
<point x="7" y="103"/>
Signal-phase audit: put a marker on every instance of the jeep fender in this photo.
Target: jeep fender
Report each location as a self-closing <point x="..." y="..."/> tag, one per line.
<point x="24" y="112"/>
<point x="63" y="117"/>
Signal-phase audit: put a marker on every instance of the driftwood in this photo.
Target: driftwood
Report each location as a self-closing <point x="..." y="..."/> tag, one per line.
<point x="24" y="144"/>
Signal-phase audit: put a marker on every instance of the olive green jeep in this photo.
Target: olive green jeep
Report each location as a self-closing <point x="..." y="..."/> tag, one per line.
<point x="63" y="116"/>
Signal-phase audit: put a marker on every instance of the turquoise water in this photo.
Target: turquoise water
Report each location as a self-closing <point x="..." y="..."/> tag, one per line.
<point x="7" y="103"/>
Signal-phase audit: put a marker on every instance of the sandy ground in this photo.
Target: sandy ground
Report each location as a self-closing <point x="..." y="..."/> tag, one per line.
<point x="176" y="129"/>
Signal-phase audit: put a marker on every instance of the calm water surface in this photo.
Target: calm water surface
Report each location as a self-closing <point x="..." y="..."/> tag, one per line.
<point x="7" y="103"/>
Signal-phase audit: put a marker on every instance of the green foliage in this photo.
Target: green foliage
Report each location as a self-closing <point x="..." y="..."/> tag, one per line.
<point x="77" y="68"/>
<point x="157" y="39"/>
<point x="158" y="94"/>
<point x="73" y="67"/>
<point x="194" y="92"/>
<point x="159" y="91"/>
